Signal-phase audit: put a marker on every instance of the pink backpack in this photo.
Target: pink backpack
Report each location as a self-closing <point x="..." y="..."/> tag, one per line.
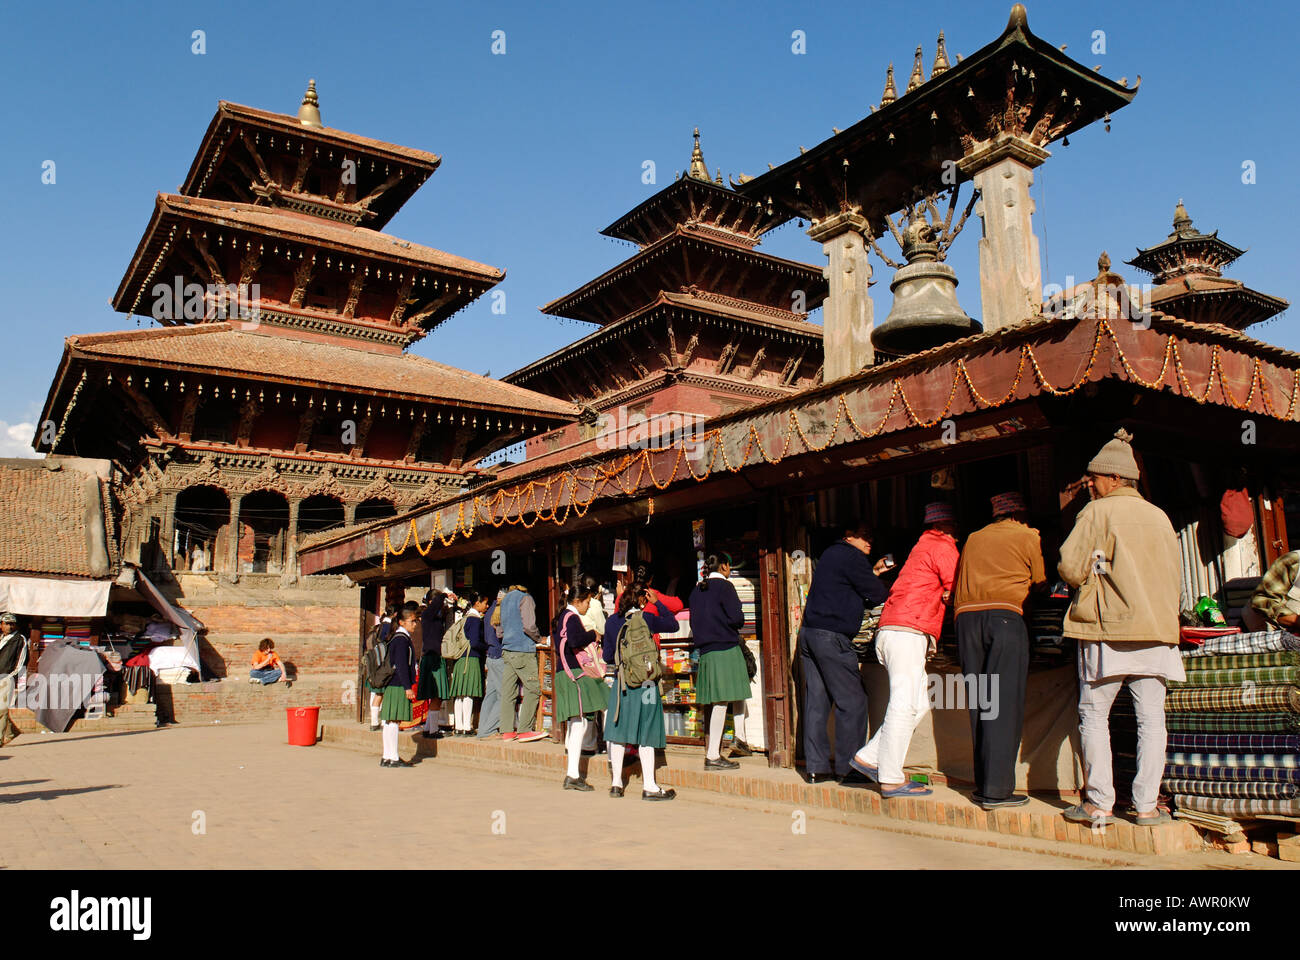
<point x="589" y="661"/>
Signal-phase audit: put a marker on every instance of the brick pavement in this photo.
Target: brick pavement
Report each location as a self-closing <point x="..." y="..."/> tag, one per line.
<point x="129" y="800"/>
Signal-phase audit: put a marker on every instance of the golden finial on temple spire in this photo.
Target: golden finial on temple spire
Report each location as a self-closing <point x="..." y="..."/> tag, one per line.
<point x="940" y="58"/>
<point x="699" y="170"/>
<point x="309" y="112"/>
<point x="891" y="91"/>
<point x="918" y="72"/>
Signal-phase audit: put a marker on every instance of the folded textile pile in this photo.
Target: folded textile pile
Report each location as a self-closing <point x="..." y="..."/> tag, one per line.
<point x="1234" y="727"/>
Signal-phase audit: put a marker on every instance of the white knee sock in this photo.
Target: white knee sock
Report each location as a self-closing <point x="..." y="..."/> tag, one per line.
<point x="573" y="744"/>
<point x="717" y="720"/>
<point x="375" y="700"/>
<point x="616" y="752"/>
<point x="389" y="734"/>
<point x="464" y="711"/>
<point x="648" y="769"/>
<point x="738" y="715"/>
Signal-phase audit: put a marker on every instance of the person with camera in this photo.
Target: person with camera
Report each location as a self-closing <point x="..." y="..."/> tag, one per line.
<point x="844" y="585"/>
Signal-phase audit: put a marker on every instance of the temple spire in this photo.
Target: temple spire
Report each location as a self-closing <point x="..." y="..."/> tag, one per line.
<point x="891" y="91"/>
<point x="918" y="72"/>
<point x="309" y="112"/>
<point x="698" y="170"/>
<point x="940" y="58"/>
<point x="1182" y="222"/>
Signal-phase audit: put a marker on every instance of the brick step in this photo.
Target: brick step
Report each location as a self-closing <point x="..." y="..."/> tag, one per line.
<point x="128" y="716"/>
<point x="236" y="699"/>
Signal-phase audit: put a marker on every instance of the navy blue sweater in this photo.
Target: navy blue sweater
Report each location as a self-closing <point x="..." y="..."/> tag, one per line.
<point x="492" y="634"/>
<point x="575" y="637"/>
<point x="474" y="633"/>
<point x="716" y="617"/>
<point x="433" y="625"/>
<point x="842" y="585"/>
<point x="658" y="623"/>
<point x="401" y="653"/>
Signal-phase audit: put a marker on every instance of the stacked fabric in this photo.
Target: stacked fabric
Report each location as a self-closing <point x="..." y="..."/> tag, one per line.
<point x="1234" y="727"/>
<point x="51" y="628"/>
<point x="743" y="581"/>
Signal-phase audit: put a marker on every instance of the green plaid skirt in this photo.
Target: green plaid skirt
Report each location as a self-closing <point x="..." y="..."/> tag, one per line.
<point x="394" y="708"/>
<point x="723" y="678"/>
<point x="595" y="697"/>
<point x="433" y="683"/>
<point x="467" y="678"/>
<point x="640" y="717"/>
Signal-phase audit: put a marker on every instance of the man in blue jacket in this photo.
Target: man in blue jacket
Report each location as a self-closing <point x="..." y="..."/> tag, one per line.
<point x="843" y="586"/>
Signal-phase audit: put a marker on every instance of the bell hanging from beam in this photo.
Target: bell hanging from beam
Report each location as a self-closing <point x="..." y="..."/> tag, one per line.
<point x="925" y="313"/>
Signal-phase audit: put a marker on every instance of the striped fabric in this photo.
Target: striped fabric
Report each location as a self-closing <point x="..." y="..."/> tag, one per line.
<point x="1228" y="788"/>
<point x="1270" y="699"/>
<point x="1238" y="807"/>
<point x="1242" y="661"/>
<point x="1235" y="723"/>
<point x="1235" y="678"/>
<point x="1266" y="641"/>
<point x="1234" y="742"/>
<point x="1253" y="760"/>
<point x="1176" y="771"/>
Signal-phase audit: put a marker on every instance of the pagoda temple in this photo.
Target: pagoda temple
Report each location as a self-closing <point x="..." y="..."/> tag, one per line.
<point x="1187" y="268"/>
<point x="696" y="323"/>
<point x="274" y="398"/>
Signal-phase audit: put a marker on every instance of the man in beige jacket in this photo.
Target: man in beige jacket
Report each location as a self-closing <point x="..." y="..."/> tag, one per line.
<point x="1122" y="559"/>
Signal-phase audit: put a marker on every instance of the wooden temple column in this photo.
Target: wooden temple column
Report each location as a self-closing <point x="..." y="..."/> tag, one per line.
<point x="777" y="696"/>
<point x="289" y="573"/>
<point x="848" y="314"/>
<point x="350" y="513"/>
<point x="167" y="528"/>
<point x="232" y="556"/>
<point x="1011" y="275"/>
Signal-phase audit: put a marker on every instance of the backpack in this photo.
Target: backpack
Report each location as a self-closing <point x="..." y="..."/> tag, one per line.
<point x="454" y="642"/>
<point x="636" y="657"/>
<point x="377" y="667"/>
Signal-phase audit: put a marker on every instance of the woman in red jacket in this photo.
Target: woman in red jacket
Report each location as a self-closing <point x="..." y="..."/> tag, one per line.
<point x="909" y="631"/>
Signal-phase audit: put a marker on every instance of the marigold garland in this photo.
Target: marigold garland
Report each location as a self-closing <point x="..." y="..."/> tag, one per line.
<point x="512" y="507"/>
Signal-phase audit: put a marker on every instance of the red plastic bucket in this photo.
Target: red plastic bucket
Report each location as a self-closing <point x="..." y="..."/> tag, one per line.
<point x="302" y="725"/>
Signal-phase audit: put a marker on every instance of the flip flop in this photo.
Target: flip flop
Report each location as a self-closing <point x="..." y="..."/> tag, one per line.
<point x="909" y="789"/>
<point x="866" y="769"/>
<point x="1159" y="818"/>
<point x="1076" y="814"/>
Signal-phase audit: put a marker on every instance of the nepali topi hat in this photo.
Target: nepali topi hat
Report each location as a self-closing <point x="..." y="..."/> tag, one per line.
<point x="1010" y="502"/>
<point x="939" y="512"/>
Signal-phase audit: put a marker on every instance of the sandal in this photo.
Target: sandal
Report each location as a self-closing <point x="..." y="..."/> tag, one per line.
<point x="909" y="789"/>
<point x="1152" y="821"/>
<point x="1077" y="814"/>
<point x="866" y="769"/>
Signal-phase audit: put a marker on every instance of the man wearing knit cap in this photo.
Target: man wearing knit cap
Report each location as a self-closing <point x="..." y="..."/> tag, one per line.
<point x="1000" y="564"/>
<point x="1122" y="558"/>
<point x="909" y="630"/>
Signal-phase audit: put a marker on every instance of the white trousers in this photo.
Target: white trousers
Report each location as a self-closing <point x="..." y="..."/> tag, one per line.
<point x="1095" y="700"/>
<point x="903" y="656"/>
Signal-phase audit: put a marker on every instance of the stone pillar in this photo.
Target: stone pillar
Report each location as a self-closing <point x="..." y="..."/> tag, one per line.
<point x="232" y="557"/>
<point x="1011" y="275"/>
<point x="848" y="314"/>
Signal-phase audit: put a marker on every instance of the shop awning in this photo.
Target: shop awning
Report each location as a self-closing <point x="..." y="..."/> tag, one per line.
<point x="54" y="596"/>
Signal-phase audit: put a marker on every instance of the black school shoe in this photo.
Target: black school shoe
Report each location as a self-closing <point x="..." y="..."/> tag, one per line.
<point x="740" y="749"/>
<point x="661" y="794"/>
<point x="374" y="728"/>
<point x="616" y="792"/>
<point x="395" y="763"/>
<point x="720" y="764"/>
<point x="570" y="783"/>
<point x="1015" y="800"/>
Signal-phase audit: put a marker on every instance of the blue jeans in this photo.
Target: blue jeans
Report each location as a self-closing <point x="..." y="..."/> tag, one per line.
<point x="266" y="675"/>
<point x="489" y="714"/>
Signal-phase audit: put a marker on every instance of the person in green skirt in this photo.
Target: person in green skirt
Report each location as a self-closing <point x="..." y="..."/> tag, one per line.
<point x="467" y="674"/>
<point x="577" y="695"/>
<point x="395" y="708"/>
<point x="433" y="669"/>
<point x="636" y="714"/>
<point x="716" y="619"/>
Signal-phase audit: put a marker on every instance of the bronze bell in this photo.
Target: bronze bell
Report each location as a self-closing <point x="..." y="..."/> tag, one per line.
<point x="925" y="313"/>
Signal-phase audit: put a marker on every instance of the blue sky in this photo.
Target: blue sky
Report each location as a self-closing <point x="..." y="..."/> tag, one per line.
<point x="544" y="146"/>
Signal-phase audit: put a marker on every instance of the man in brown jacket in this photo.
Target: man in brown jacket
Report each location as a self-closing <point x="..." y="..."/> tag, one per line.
<point x="1122" y="557"/>
<point x="999" y="565"/>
